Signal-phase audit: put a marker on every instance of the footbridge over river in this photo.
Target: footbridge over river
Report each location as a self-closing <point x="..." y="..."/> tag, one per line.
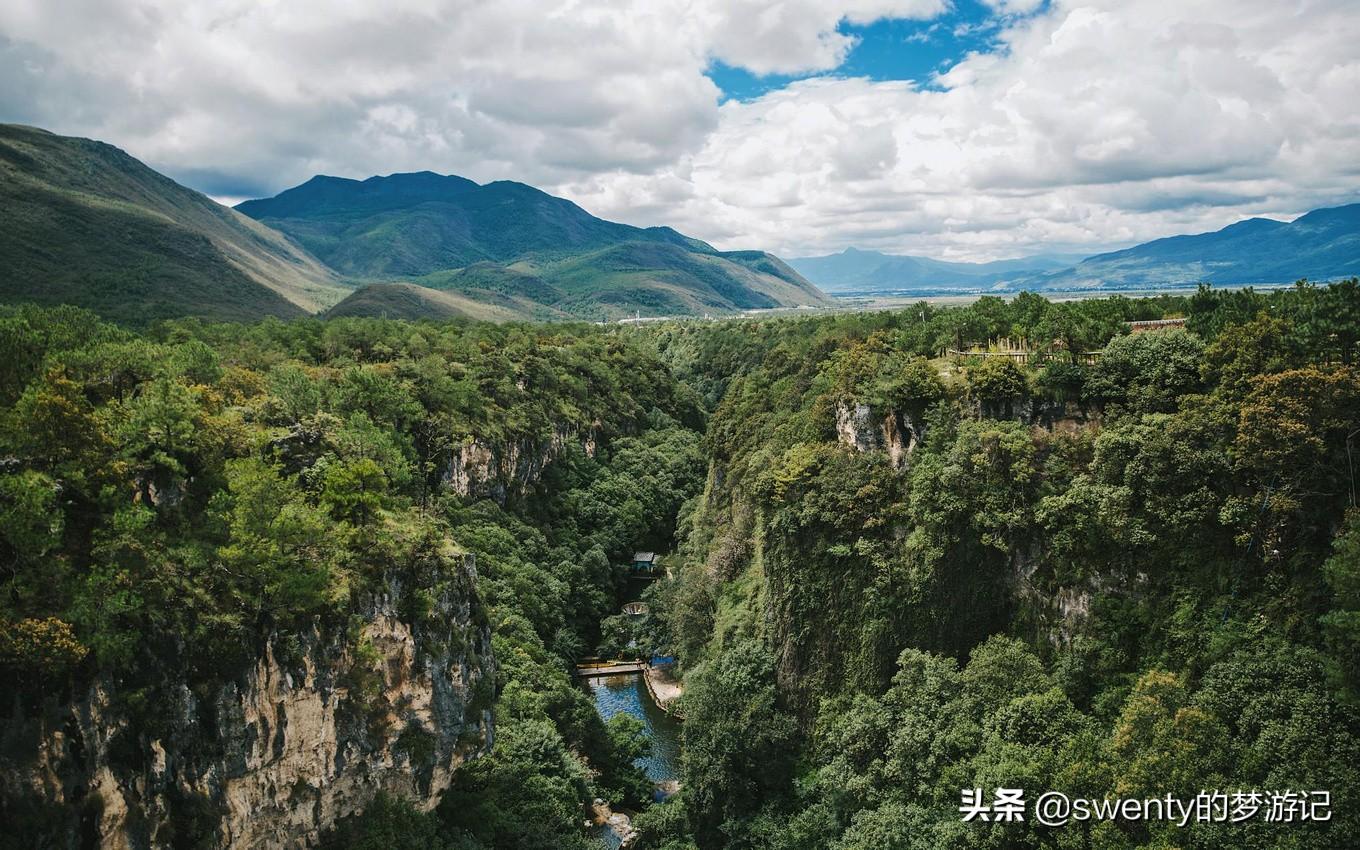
<point x="596" y="669"/>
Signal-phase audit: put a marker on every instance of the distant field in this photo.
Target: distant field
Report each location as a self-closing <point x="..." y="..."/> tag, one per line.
<point x="844" y="303"/>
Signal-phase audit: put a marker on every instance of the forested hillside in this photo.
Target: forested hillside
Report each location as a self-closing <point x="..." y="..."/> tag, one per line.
<point x="1117" y="575"/>
<point x="229" y="548"/>
<point x="86" y="224"/>
<point x="324" y="582"/>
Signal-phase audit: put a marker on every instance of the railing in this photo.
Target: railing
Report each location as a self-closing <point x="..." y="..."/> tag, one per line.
<point x="609" y="668"/>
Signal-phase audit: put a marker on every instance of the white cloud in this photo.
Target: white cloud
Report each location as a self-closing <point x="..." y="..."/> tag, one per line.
<point x="1013" y="7"/>
<point x="794" y="36"/>
<point x="1098" y="121"/>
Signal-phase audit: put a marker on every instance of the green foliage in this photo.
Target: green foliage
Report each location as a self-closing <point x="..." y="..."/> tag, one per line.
<point x="1342" y="623"/>
<point x="280" y="549"/>
<point x="30" y="524"/>
<point x="664" y="827"/>
<point x="168" y="504"/>
<point x="738" y="755"/>
<point x="527" y="794"/>
<point x="620" y="781"/>
<point x="1155" y="555"/>
<point x="1148" y="371"/>
<point x="389" y="823"/>
<point x="1155" y="590"/>
<point x="353" y="490"/>
<point x="997" y="379"/>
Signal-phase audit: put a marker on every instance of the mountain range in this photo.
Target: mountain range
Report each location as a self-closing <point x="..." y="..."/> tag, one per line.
<point x="87" y="224"/>
<point x="854" y="270"/>
<point x="1321" y="245"/>
<point x="518" y="248"/>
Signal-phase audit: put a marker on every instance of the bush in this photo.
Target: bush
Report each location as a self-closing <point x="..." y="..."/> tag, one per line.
<point x="997" y="379"/>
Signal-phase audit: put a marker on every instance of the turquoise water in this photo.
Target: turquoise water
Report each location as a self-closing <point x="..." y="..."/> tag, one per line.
<point x="628" y="694"/>
<point x="607" y="837"/>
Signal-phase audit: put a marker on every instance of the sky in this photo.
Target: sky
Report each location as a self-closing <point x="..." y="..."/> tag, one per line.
<point x="959" y="129"/>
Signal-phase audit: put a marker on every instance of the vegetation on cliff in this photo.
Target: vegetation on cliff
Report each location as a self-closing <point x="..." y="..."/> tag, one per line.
<point x="1125" y="567"/>
<point x="175" y="502"/>
<point x="1123" y="575"/>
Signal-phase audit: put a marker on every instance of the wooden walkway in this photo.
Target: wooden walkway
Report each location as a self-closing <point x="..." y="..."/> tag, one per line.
<point x="610" y="668"/>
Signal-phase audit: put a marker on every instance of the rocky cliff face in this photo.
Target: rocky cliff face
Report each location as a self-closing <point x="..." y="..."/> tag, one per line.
<point x="861" y="428"/>
<point x="274" y="757"/>
<point x="486" y="469"/>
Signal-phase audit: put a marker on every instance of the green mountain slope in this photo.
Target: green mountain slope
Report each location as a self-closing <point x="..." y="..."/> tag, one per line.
<point x="409" y="301"/>
<point x="507" y="240"/>
<point x="86" y="224"/>
<point x="1322" y="245"/>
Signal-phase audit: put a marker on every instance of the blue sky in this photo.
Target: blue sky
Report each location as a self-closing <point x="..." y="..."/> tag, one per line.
<point x="889" y="49"/>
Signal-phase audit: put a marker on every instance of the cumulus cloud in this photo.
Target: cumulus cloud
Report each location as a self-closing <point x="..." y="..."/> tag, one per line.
<point x="1096" y="123"/>
<point x="1093" y="122"/>
<point x="275" y="92"/>
<point x="794" y="36"/>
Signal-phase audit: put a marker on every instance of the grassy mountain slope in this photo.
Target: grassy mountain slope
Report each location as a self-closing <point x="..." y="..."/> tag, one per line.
<point x="1323" y="245"/>
<point x="87" y="224"/>
<point x="409" y="301"/>
<point x="546" y="254"/>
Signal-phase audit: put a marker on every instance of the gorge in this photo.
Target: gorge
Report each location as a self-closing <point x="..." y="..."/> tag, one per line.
<point x="324" y="584"/>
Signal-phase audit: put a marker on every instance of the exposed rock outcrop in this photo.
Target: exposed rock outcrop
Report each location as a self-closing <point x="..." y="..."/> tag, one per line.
<point x="487" y="469"/>
<point x="862" y="428"/>
<point x="859" y="427"/>
<point x="312" y="732"/>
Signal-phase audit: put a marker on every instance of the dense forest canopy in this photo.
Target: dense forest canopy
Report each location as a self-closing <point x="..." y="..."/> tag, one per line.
<point x="1124" y="564"/>
<point x="1129" y="573"/>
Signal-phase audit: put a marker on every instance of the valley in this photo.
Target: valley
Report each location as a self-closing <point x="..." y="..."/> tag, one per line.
<point x="680" y="425"/>
<point x="889" y="571"/>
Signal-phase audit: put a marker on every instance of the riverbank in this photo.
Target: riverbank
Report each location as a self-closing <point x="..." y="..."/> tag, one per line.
<point x="614" y="829"/>
<point x="664" y="689"/>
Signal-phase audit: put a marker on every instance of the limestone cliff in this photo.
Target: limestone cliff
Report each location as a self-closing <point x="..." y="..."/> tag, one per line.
<point x="312" y="732"/>
<point x="499" y="469"/>
<point x="860" y="427"/>
<point x="864" y="428"/>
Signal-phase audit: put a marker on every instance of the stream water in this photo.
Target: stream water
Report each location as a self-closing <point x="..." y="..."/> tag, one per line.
<point x="628" y="694"/>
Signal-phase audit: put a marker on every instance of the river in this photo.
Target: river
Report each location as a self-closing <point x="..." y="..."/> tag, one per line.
<point x="628" y="694"/>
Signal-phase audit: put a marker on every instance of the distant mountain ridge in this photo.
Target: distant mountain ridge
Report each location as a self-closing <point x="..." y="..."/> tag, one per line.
<point x="854" y="270"/>
<point x="509" y="240"/>
<point x="1320" y="245"/>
